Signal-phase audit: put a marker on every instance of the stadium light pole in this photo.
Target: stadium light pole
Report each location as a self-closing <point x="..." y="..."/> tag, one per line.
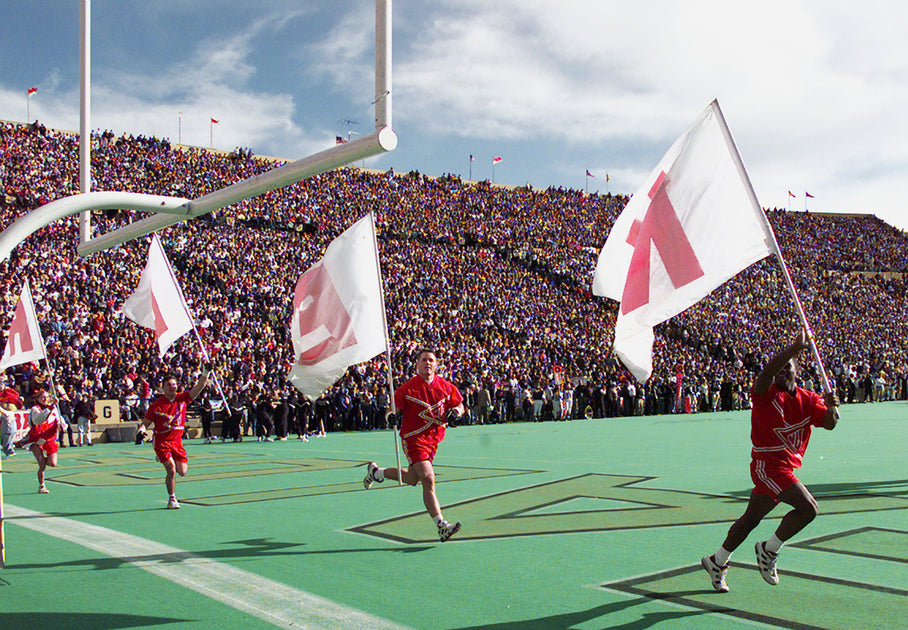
<point x="171" y="210"/>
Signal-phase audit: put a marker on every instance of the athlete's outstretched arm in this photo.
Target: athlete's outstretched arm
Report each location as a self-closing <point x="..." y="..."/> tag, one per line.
<point x="763" y="381"/>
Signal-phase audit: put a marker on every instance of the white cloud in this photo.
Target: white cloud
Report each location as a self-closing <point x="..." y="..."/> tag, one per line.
<point x="814" y="97"/>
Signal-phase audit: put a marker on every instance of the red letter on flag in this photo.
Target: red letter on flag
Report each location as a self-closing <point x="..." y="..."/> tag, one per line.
<point x="325" y="327"/>
<point x="660" y="226"/>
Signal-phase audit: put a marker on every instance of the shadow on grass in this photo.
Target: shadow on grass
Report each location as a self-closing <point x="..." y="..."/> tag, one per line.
<point x="44" y="620"/>
<point x="890" y="488"/>
<point x="253" y="548"/>
<point x="565" y="621"/>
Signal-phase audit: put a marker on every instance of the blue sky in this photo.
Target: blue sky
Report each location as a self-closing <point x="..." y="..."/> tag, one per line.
<point x="814" y="92"/>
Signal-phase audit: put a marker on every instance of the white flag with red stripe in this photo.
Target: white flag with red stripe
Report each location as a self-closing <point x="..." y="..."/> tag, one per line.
<point x="693" y="224"/>
<point x="157" y="303"/>
<point x="338" y="311"/>
<point x="24" y="342"/>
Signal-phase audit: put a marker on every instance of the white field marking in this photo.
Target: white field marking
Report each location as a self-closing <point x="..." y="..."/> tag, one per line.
<point x="270" y="601"/>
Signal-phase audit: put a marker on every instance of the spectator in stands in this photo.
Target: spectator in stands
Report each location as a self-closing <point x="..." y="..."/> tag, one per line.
<point x="84" y="412"/>
<point x="10" y="401"/>
<point x="517" y="264"/>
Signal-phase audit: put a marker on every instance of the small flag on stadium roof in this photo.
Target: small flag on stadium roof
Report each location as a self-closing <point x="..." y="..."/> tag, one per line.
<point x="339" y="140"/>
<point x="791" y="194"/>
<point x="32" y="90"/>
<point x="471" y="157"/>
<point x="214" y="121"/>
<point x="496" y="160"/>
<point x="807" y="194"/>
<point x="588" y="174"/>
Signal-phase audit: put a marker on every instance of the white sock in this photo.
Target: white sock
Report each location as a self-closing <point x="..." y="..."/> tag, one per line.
<point x="379" y="474"/>
<point x="773" y="544"/>
<point x="439" y="520"/>
<point x="722" y="556"/>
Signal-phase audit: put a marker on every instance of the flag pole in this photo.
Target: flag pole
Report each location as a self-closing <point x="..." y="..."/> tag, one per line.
<point x="51" y="368"/>
<point x="2" y="539"/>
<point x="774" y="245"/>
<point x="217" y="382"/>
<point x="384" y="319"/>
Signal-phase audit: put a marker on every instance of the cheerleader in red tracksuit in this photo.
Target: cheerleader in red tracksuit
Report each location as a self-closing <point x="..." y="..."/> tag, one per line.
<point x="44" y="424"/>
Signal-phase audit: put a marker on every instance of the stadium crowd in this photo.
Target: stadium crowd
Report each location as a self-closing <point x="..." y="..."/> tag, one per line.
<point x="496" y="279"/>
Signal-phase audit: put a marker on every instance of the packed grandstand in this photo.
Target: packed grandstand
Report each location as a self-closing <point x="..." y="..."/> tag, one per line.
<point x="496" y="279"/>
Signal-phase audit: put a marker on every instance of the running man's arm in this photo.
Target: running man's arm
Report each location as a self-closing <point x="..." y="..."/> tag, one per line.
<point x="764" y="379"/>
<point x="200" y="384"/>
<point x="147" y="421"/>
<point x="832" y="414"/>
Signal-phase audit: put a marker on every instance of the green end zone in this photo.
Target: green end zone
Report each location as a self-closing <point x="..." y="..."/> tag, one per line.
<point x="865" y="542"/>
<point x="442" y="474"/>
<point x="128" y="469"/>
<point x="597" y="502"/>
<point x="800" y="600"/>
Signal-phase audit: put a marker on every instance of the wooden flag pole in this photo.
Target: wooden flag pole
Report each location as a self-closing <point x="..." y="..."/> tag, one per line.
<point x="217" y="382"/>
<point x="771" y="238"/>
<point x="384" y="317"/>
<point x="2" y="538"/>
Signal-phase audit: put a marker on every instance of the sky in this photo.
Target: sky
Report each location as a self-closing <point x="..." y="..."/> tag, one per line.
<point x="814" y="92"/>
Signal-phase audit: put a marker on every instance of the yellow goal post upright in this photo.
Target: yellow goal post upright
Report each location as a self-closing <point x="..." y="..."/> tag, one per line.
<point x="167" y="211"/>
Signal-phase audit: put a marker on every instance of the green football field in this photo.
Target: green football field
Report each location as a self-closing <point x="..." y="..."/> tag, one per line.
<point x="586" y="524"/>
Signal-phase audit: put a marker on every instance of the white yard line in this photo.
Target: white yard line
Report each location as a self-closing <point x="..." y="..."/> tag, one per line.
<point x="270" y="601"/>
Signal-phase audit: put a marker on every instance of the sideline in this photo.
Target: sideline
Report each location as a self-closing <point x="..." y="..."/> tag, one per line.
<point x="270" y="601"/>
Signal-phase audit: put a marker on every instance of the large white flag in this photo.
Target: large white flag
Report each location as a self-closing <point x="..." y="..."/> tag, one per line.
<point x="24" y="342"/>
<point x="693" y="224"/>
<point x="338" y="317"/>
<point x="157" y="303"/>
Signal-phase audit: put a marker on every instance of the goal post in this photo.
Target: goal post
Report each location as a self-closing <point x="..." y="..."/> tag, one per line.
<point x="170" y="210"/>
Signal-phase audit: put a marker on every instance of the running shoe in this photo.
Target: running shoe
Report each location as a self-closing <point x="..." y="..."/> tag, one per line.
<point x="446" y="530"/>
<point x="371" y="475"/>
<point x="173" y="504"/>
<point x="766" y="562"/>
<point x="42" y="489"/>
<point x="716" y="572"/>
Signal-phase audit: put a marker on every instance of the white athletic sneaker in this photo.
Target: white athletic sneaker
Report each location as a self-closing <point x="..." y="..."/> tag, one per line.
<point x="766" y="562"/>
<point x="42" y="489"/>
<point x="371" y="475"/>
<point x="173" y="504"/>
<point x="446" y="530"/>
<point x="716" y="572"/>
